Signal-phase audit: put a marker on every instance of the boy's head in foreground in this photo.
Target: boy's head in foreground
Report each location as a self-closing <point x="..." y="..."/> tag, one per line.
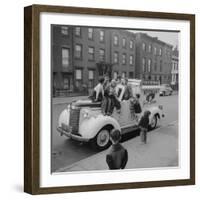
<point x="115" y="136"/>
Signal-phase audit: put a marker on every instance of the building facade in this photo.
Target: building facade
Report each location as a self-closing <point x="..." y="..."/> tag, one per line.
<point x="175" y="67"/>
<point x="153" y="59"/>
<point x="123" y="53"/>
<point x="79" y="52"/>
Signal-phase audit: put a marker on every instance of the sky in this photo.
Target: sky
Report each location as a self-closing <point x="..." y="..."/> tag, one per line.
<point x="168" y="37"/>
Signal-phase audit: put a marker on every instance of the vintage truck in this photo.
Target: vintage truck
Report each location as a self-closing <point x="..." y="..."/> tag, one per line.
<point x="83" y="120"/>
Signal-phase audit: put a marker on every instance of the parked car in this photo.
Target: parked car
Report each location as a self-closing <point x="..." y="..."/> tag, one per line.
<point x="165" y="90"/>
<point x="83" y="120"/>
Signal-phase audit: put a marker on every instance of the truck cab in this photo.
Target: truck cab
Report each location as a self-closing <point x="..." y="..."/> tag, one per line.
<point x="83" y="120"/>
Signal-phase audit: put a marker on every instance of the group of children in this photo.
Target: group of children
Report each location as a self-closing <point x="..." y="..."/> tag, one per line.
<point x="107" y="93"/>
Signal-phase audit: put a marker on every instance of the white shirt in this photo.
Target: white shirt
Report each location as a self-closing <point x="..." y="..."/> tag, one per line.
<point x="99" y="89"/>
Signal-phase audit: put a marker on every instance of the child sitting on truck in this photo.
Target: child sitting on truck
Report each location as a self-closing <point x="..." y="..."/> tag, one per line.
<point x="110" y="100"/>
<point x="98" y="91"/>
<point x="118" y="155"/>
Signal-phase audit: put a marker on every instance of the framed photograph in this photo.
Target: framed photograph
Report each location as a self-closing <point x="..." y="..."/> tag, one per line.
<point x="109" y="99"/>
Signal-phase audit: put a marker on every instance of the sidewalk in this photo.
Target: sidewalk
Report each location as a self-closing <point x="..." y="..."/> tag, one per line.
<point x="161" y="150"/>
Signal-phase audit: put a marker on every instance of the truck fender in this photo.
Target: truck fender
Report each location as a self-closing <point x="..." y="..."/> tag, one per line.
<point x="63" y="118"/>
<point x="154" y="111"/>
<point x="90" y="127"/>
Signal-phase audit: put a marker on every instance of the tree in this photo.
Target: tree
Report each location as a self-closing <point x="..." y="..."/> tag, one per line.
<point x="105" y="69"/>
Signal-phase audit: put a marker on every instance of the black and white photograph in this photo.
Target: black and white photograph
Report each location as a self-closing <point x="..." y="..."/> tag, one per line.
<point x="109" y="99"/>
<point x="114" y="98"/>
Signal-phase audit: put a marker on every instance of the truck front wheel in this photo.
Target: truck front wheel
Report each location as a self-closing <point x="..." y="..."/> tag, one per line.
<point x="102" y="140"/>
<point x="153" y="123"/>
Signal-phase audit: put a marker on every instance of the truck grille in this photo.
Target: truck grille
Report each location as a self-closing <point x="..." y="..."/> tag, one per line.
<point x="74" y="120"/>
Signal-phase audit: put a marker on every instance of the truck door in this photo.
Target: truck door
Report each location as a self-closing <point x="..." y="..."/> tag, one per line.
<point x="126" y="117"/>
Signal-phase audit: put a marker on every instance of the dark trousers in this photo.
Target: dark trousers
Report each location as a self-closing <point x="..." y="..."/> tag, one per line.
<point x="108" y="105"/>
<point x="143" y="135"/>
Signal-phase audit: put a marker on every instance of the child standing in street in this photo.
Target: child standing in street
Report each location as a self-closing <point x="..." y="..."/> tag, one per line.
<point x="118" y="155"/>
<point x="143" y="124"/>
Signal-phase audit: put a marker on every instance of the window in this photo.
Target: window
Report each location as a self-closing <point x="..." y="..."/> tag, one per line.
<point x="102" y="35"/>
<point x="160" y="52"/>
<point x="161" y="66"/>
<point x="78" y="31"/>
<point x="102" y="55"/>
<point x="143" y="64"/>
<point x="78" y="51"/>
<point x="123" y="74"/>
<point x="65" y="30"/>
<point x="150" y="48"/>
<point x="116" y="57"/>
<point x="149" y="65"/>
<point x="116" y="40"/>
<point x="155" y="66"/>
<point x="131" y="75"/>
<point x="54" y="80"/>
<point x="115" y="74"/>
<point x="90" y="33"/>
<point x="173" y="78"/>
<point x="65" y="82"/>
<point x="124" y="42"/>
<point x="131" y="60"/>
<point x="65" y="57"/>
<point x="131" y="44"/>
<point x="91" y="78"/>
<point x="143" y="46"/>
<point x="91" y="74"/>
<point x="123" y="58"/>
<point x="78" y="76"/>
<point x="90" y="53"/>
<point x="174" y="66"/>
<point x="160" y="79"/>
<point x="155" y="50"/>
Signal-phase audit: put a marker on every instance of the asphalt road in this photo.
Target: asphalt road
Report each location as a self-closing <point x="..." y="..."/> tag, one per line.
<point x="66" y="151"/>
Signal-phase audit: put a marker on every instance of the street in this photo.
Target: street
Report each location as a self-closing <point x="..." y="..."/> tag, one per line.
<point x="66" y="151"/>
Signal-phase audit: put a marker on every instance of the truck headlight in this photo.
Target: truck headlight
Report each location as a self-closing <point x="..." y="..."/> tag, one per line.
<point x="86" y="114"/>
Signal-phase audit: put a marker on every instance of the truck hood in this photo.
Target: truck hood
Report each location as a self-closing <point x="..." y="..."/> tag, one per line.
<point x="86" y="103"/>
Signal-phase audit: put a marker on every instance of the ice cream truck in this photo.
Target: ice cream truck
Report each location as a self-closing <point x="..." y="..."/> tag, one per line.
<point x="82" y="120"/>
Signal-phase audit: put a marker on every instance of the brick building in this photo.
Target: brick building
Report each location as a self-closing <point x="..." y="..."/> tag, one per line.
<point x="78" y="51"/>
<point x="123" y="51"/>
<point x="174" y="71"/>
<point x="153" y="59"/>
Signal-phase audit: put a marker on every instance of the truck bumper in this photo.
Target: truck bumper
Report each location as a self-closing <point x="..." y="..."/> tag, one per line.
<point x="70" y="135"/>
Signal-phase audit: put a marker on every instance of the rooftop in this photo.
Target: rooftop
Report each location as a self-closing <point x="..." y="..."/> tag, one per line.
<point x="154" y="39"/>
